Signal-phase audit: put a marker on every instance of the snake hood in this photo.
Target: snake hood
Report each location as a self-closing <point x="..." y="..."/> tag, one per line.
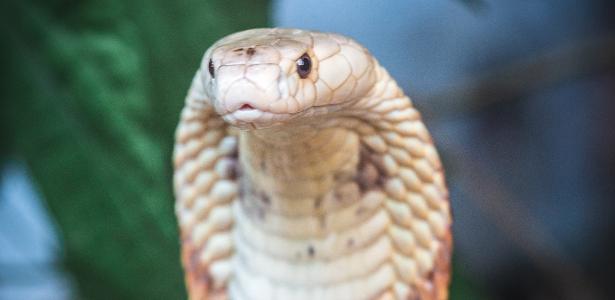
<point x="265" y="77"/>
<point x="332" y="190"/>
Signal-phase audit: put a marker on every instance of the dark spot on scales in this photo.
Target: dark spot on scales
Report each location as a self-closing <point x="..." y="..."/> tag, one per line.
<point x="311" y="251"/>
<point x="238" y="50"/>
<point x="370" y="174"/>
<point x="264" y="198"/>
<point x="250" y="51"/>
<point x="350" y="242"/>
<point x="253" y="201"/>
<point x="233" y="171"/>
<point x="235" y="153"/>
<point x="431" y="275"/>
<point x="317" y="202"/>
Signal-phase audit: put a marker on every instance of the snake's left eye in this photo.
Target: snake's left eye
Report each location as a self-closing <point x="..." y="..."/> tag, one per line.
<point x="304" y="65"/>
<point x="210" y="66"/>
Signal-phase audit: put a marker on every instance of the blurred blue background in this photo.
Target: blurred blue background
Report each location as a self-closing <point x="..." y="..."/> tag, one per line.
<point x="519" y="95"/>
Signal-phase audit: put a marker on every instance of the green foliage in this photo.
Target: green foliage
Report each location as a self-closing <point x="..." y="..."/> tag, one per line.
<point x="462" y="287"/>
<point x="91" y="94"/>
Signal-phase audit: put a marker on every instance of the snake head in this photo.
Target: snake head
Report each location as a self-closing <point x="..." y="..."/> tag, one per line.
<point x="266" y="77"/>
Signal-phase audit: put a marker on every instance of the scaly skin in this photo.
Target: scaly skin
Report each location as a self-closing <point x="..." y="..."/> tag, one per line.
<point x="324" y="187"/>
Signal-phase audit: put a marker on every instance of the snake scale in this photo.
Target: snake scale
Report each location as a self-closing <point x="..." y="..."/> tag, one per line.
<point x="302" y="171"/>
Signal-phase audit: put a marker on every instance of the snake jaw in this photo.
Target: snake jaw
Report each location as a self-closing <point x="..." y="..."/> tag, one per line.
<point x="253" y="118"/>
<point x="241" y="116"/>
<point x="248" y="119"/>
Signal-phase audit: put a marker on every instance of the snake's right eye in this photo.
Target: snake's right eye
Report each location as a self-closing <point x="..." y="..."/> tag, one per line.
<point x="210" y="66"/>
<point x="304" y="65"/>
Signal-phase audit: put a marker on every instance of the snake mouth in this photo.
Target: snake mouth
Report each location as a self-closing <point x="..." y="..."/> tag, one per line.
<point x="246" y="106"/>
<point x="246" y="116"/>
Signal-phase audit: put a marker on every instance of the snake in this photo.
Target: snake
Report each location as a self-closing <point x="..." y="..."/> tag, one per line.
<point x="303" y="171"/>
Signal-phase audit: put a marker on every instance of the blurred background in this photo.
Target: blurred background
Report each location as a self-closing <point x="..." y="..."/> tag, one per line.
<point x="519" y="95"/>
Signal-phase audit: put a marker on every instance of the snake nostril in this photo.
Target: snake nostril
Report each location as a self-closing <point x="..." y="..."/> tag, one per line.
<point x="246" y="106"/>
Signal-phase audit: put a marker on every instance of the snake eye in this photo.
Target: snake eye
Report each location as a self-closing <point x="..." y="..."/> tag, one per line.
<point x="304" y="65"/>
<point x="210" y="66"/>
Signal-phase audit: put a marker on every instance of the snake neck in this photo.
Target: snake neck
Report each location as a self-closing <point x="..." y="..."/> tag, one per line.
<point x="296" y="165"/>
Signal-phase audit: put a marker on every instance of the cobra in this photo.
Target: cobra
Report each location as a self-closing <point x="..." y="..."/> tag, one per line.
<point x="302" y="171"/>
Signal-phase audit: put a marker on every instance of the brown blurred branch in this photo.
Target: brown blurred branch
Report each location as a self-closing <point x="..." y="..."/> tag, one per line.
<point x="553" y="66"/>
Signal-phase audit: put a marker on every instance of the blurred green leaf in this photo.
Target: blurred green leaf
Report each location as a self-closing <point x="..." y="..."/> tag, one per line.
<point x="91" y="94"/>
<point x="462" y="287"/>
